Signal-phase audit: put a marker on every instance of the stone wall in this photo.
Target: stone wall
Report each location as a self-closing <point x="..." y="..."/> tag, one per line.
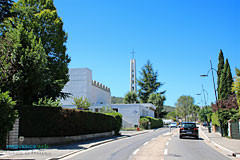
<point x="12" y="138"/>
<point x="63" y="140"/>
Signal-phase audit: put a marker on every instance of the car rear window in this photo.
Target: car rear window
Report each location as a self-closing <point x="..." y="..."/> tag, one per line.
<point x="189" y="125"/>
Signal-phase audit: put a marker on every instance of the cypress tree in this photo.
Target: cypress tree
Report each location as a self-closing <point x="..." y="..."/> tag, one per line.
<point x="229" y="79"/>
<point x="220" y="69"/>
<point x="226" y="80"/>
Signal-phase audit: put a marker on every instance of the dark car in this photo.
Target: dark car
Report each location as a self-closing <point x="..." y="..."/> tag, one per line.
<point x="188" y="129"/>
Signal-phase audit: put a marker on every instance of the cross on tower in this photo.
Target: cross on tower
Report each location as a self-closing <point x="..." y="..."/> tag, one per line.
<point x="133" y="54"/>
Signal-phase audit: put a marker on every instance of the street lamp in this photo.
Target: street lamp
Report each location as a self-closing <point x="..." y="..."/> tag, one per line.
<point x="206" y="75"/>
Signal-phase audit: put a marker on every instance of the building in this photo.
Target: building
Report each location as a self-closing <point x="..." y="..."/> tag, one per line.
<point x="133" y="84"/>
<point x="82" y="85"/>
<point x="131" y="113"/>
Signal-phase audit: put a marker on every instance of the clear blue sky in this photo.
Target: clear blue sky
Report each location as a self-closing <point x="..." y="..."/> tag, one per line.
<point x="177" y="36"/>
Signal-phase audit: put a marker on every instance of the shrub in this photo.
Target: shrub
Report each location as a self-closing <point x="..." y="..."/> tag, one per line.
<point x="7" y="117"/>
<point x="40" y="121"/>
<point x="118" y="121"/>
<point x="155" y="123"/>
<point x="143" y="122"/>
<point x="215" y="120"/>
<point x="48" y="102"/>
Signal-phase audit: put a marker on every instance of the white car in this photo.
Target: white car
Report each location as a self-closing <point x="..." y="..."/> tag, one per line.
<point x="173" y="125"/>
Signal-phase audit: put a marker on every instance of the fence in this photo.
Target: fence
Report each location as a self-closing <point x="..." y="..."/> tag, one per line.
<point x="234" y="129"/>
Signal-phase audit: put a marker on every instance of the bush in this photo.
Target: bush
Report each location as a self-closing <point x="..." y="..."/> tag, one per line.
<point x="7" y="117"/>
<point x="40" y="121"/>
<point x="143" y="122"/>
<point x="215" y="120"/>
<point x="155" y="123"/>
<point x="118" y="121"/>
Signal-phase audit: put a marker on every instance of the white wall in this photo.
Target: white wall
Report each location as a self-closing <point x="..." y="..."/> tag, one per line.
<point x="81" y="85"/>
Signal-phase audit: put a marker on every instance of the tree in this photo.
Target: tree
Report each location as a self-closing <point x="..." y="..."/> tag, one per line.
<point x="7" y="116"/>
<point x="171" y="115"/>
<point x="226" y="80"/>
<point x="220" y="69"/>
<point x="183" y="106"/>
<point x="148" y="82"/>
<point x="5" y="6"/>
<point x="236" y="86"/>
<point x="116" y="100"/>
<point x="130" y="98"/>
<point x="81" y="103"/>
<point x="23" y="64"/>
<point x="157" y="99"/>
<point x="106" y="109"/>
<point x="226" y="109"/>
<point x="40" y="18"/>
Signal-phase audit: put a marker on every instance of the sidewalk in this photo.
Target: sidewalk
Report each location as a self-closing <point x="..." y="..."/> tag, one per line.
<point x="62" y="151"/>
<point x="230" y="145"/>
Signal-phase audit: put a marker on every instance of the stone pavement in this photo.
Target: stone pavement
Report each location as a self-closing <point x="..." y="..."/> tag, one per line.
<point x="58" y="152"/>
<point x="231" y="146"/>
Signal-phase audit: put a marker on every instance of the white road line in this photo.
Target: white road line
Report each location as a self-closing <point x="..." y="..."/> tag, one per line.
<point x="169" y="139"/>
<point x="165" y="152"/>
<point x="145" y="143"/>
<point x="167" y="143"/>
<point x="153" y="138"/>
<point x="135" y="152"/>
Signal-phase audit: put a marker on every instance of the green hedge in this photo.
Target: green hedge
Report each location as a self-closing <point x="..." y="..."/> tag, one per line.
<point x="118" y="118"/>
<point x="215" y="120"/>
<point x="143" y="122"/>
<point x="36" y="121"/>
<point x="155" y="123"/>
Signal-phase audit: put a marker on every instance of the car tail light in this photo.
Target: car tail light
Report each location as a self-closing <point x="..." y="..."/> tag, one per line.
<point x="181" y="128"/>
<point x="195" y="129"/>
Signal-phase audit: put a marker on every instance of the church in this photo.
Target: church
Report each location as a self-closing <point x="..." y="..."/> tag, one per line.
<point x="99" y="95"/>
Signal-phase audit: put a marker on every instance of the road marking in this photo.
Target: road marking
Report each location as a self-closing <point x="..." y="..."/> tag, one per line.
<point x="145" y="143"/>
<point x="165" y="152"/>
<point x="167" y="143"/>
<point x="172" y="135"/>
<point x="169" y="139"/>
<point x="153" y="138"/>
<point x="135" y="152"/>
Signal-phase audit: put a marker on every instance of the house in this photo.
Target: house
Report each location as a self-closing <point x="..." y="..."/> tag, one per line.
<point x="131" y="112"/>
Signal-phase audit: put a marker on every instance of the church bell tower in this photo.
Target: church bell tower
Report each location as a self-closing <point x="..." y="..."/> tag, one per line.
<point x="133" y="85"/>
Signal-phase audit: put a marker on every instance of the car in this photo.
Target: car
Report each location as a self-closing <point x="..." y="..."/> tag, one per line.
<point x="173" y="125"/>
<point x="188" y="129"/>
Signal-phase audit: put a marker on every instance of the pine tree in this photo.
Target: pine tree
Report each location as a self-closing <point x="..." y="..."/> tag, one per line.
<point x="148" y="82"/>
<point x="220" y="69"/>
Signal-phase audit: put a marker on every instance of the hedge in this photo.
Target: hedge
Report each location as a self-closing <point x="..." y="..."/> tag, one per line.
<point x="37" y="121"/>
<point x="118" y="118"/>
<point x="155" y="123"/>
<point x="143" y="122"/>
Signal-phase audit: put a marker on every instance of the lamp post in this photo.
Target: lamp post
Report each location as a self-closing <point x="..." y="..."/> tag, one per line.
<point x="215" y="91"/>
<point x="206" y="75"/>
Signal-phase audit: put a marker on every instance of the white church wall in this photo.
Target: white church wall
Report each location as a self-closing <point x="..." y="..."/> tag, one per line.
<point x="81" y="85"/>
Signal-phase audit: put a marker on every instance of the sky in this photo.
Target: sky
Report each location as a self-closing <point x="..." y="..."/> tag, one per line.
<point x="179" y="37"/>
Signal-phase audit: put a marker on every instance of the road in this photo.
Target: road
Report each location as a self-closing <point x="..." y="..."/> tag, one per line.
<point x="140" y="147"/>
<point x="189" y="149"/>
<point x="117" y="150"/>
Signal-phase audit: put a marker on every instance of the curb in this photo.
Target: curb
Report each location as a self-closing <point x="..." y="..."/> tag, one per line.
<point x="94" y="145"/>
<point x="221" y="147"/>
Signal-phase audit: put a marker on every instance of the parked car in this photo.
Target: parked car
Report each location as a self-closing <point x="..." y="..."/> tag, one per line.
<point x="188" y="129"/>
<point x="173" y="125"/>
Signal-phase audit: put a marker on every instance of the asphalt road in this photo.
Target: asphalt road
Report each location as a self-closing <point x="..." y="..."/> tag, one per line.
<point x="189" y="149"/>
<point x="117" y="150"/>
